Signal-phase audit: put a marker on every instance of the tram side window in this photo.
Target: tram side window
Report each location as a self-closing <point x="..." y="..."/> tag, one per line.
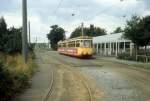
<point x="59" y="45"/>
<point x="64" y="45"/>
<point x="77" y="43"/>
<point x="71" y="44"/>
<point x="91" y="43"/>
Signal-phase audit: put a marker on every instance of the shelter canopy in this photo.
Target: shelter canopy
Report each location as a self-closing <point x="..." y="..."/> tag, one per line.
<point x="118" y="37"/>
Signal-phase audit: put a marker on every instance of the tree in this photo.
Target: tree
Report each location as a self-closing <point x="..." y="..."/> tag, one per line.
<point x="146" y="26"/>
<point x="3" y="32"/>
<point x="77" y="32"/>
<point x="88" y="31"/>
<point x="13" y="40"/>
<point x="133" y="31"/>
<point x="55" y="35"/>
<point x="117" y="30"/>
<point x="6" y="83"/>
<point x="10" y="39"/>
<point x="138" y="30"/>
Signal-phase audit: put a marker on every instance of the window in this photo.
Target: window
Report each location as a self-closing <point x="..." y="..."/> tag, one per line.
<point x="78" y="43"/>
<point x="86" y="43"/>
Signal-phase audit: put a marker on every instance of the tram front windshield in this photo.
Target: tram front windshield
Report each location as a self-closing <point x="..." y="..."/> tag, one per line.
<point x="86" y="43"/>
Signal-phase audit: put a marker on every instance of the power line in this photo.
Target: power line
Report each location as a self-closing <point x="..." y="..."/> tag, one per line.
<point x="58" y="6"/>
<point x="104" y="10"/>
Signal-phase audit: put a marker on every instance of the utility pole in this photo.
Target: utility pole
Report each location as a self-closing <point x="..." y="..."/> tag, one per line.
<point x="24" y="31"/>
<point x="29" y="33"/>
<point x="82" y="25"/>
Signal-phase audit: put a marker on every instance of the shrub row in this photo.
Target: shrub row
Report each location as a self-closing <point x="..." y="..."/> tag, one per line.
<point x="126" y="56"/>
<point x="14" y="75"/>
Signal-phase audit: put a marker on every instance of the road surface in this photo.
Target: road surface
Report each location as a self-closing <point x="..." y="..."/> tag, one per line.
<point x="64" y="78"/>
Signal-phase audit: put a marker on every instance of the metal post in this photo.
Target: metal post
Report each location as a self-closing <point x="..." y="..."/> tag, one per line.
<point x="24" y="31"/>
<point x="105" y="51"/>
<point x="110" y="48"/>
<point x="116" y="49"/>
<point x="97" y="48"/>
<point x="29" y="33"/>
<point x="82" y="25"/>
<point x="124" y="47"/>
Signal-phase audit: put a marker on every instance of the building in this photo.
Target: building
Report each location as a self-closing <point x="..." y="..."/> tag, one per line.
<point x="112" y="45"/>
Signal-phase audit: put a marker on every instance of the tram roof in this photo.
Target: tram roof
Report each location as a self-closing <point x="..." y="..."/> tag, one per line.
<point x="77" y="38"/>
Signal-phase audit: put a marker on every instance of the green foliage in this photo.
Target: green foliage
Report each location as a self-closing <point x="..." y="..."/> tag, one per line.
<point x="13" y="41"/>
<point x="146" y="37"/>
<point x="14" y="75"/>
<point x="6" y="82"/>
<point x="3" y="32"/>
<point x="55" y="35"/>
<point x="126" y="56"/>
<point x="88" y="31"/>
<point x="117" y="30"/>
<point x="143" y="65"/>
<point x="138" y="30"/>
<point x="10" y="39"/>
<point x="141" y="58"/>
<point x="31" y="47"/>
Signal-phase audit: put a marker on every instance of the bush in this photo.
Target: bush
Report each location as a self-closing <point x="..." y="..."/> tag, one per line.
<point x="126" y="56"/>
<point x="14" y="75"/>
<point x="10" y="39"/>
<point x="6" y="84"/>
<point x="14" y="41"/>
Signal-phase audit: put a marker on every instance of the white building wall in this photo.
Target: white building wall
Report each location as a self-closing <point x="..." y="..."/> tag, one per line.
<point x="110" y="45"/>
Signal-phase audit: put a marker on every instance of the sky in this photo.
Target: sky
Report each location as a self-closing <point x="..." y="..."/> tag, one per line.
<point x="107" y="14"/>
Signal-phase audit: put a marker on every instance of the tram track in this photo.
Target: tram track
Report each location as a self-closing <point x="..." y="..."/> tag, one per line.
<point x="84" y="82"/>
<point x="140" y="81"/>
<point x="49" y="93"/>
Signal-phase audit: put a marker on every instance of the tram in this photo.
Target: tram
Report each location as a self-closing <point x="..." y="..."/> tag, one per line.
<point x="77" y="47"/>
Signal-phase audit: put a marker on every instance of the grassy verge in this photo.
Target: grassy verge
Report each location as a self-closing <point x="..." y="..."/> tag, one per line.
<point x="144" y="65"/>
<point x="14" y="74"/>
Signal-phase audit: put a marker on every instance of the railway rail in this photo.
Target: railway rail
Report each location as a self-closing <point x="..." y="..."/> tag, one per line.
<point x="48" y="94"/>
<point x="84" y="82"/>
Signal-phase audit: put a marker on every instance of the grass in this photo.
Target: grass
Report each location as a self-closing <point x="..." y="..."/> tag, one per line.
<point x="15" y="64"/>
<point x="17" y="73"/>
<point x="143" y="65"/>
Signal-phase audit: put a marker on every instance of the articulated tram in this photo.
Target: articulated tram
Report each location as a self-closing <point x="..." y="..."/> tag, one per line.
<point x="78" y="47"/>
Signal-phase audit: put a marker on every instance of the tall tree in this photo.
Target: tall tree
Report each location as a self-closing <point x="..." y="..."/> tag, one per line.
<point x="117" y="30"/>
<point x="134" y="31"/>
<point x="146" y="23"/>
<point x="138" y="30"/>
<point x="3" y="32"/>
<point x="10" y="38"/>
<point x="88" y="31"/>
<point x="13" y="40"/>
<point x="55" y="35"/>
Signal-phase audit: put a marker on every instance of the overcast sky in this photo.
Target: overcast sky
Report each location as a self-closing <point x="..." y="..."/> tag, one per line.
<point x="107" y="14"/>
